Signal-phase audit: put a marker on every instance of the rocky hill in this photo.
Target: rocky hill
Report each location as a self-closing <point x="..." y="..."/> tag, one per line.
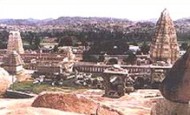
<point x="138" y="31"/>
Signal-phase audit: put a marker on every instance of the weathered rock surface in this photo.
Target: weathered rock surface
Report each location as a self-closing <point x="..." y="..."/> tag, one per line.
<point x="137" y="103"/>
<point x="165" y="107"/>
<point x="72" y="103"/>
<point x="23" y="107"/>
<point x="175" y="87"/>
<point x="164" y="46"/>
<point x="5" y="81"/>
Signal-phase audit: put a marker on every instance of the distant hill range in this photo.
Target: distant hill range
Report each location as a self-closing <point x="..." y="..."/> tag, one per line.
<point x="112" y="24"/>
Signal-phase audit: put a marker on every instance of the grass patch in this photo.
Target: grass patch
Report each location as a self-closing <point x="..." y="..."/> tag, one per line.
<point x="29" y="87"/>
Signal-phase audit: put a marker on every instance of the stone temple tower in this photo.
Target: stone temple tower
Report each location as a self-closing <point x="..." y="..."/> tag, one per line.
<point x="164" y="46"/>
<point x="15" y="42"/>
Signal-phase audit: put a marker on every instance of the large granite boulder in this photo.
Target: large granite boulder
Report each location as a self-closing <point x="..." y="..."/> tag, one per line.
<point x="72" y="103"/>
<point x="5" y="81"/>
<point x="166" y="107"/>
<point x="175" y="87"/>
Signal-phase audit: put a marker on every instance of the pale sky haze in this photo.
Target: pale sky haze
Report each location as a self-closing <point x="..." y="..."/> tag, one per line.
<point x="129" y="9"/>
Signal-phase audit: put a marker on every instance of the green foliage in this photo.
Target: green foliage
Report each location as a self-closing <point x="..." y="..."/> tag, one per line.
<point x="112" y="47"/>
<point x="55" y="48"/>
<point x="184" y="46"/>
<point x="3" y="39"/>
<point x="101" y="58"/>
<point x="90" y="58"/>
<point x="68" y="41"/>
<point x="32" y="38"/>
<point x="145" y="48"/>
<point x="131" y="59"/>
<point x="29" y="87"/>
<point x="112" y="61"/>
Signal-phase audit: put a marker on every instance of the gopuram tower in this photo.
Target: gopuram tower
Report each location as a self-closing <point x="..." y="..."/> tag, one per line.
<point x="164" y="46"/>
<point x="15" y="42"/>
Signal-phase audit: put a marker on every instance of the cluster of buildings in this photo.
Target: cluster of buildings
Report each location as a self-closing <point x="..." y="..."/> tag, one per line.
<point x="15" y="60"/>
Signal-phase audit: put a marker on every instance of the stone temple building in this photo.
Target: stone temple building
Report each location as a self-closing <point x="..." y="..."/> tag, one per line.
<point x="164" y="46"/>
<point x="15" y="42"/>
<point x="13" y="63"/>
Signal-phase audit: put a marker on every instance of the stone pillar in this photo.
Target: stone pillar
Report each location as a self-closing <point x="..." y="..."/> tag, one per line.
<point x="121" y="87"/>
<point x="107" y="85"/>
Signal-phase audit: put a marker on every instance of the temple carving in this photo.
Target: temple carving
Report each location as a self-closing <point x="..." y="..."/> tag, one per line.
<point x="164" y="46"/>
<point x="15" y="42"/>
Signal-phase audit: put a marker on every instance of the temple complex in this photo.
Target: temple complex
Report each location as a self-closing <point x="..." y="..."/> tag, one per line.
<point x="15" y="42"/>
<point x="164" y="46"/>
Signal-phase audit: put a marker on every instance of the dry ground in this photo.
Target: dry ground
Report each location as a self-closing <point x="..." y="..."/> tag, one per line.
<point x="137" y="103"/>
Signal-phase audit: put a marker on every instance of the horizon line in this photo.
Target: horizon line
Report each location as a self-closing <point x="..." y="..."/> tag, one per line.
<point x="150" y="19"/>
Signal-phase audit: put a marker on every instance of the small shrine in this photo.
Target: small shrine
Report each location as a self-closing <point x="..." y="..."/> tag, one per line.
<point x="115" y="81"/>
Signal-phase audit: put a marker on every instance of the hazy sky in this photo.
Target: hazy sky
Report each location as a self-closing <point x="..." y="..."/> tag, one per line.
<point x="130" y="9"/>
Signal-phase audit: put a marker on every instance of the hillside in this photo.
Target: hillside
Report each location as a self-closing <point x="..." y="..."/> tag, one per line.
<point x="94" y="28"/>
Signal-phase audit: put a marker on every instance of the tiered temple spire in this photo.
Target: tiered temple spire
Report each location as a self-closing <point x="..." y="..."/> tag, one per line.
<point x="15" y="42"/>
<point x="164" y="46"/>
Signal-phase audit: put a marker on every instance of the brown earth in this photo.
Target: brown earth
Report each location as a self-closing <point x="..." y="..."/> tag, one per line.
<point x="72" y="103"/>
<point x="137" y="103"/>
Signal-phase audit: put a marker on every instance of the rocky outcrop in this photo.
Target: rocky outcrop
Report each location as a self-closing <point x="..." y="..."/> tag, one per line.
<point x="5" y="81"/>
<point x="166" y="107"/>
<point x="175" y="87"/>
<point x="72" y="103"/>
<point x="164" y="46"/>
<point x="15" y="42"/>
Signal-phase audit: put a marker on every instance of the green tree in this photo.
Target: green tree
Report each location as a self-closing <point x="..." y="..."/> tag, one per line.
<point x="145" y="48"/>
<point x="55" y="49"/>
<point x="184" y="46"/>
<point x="37" y="42"/>
<point x="131" y="59"/>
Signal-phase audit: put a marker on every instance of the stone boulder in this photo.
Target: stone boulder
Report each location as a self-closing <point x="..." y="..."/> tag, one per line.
<point x="175" y="87"/>
<point x="72" y="103"/>
<point x="5" y="81"/>
<point x="166" y="107"/>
